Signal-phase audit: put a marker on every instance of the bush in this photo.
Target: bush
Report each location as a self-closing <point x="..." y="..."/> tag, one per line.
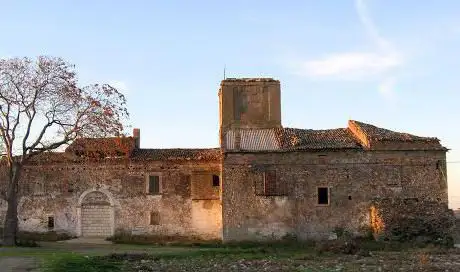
<point x="26" y="243"/>
<point x="50" y="236"/>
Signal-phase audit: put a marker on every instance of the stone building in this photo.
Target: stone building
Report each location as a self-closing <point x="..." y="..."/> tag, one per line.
<point x="265" y="181"/>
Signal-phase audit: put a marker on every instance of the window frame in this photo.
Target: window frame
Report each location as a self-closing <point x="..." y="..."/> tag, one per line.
<point x="328" y="188"/>
<point x="157" y="214"/>
<point x="160" y="185"/>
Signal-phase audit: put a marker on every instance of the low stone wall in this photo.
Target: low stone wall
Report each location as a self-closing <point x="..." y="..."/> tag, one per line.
<point x="412" y="220"/>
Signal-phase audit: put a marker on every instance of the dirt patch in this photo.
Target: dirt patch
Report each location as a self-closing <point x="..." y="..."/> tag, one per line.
<point x="384" y="261"/>
<point x="19" y="264"/>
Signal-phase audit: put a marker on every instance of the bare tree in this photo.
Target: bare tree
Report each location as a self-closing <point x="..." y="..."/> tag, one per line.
<point x="42" y="108"/>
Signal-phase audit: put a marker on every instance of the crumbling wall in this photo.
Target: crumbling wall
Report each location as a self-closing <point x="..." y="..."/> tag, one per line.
<point x="354" y="178"/>
<point x="413" y="220"/>
<point x="55" y="190"/>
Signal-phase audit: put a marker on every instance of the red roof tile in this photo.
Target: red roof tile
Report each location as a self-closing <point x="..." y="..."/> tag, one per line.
<point x="110" y="145"/>
<point x="177" y="154"/>
<point x="289" y="139"/>
<point x="339" y="138"/>
<point x="382" y="134"/>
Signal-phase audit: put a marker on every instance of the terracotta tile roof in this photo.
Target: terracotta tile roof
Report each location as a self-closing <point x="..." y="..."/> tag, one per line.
<point x="289" y="139"/>
<point x="319" y="139"/>
<point x="123" y="145"/>
<point x="358" y="135"/>
<point x="177" y="154"/>
<point x="55" y="157"/>
<point x="257" y="79"/>
<point x="380" y="134"/>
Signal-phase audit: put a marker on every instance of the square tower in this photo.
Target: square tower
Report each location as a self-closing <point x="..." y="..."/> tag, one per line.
<point x="249" y="103"/>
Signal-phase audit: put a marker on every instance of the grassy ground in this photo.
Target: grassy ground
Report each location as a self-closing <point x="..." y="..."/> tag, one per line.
<point x="57" y="257"/>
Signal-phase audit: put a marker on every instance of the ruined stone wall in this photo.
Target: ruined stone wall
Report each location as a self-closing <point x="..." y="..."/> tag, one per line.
<point x="58" y="191"/>
<point x="354" y="179"/>
<point x="413" y="220"/>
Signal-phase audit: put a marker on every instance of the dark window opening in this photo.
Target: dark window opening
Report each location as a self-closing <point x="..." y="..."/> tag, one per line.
<point x="154" y="218"/>
<point x="70" y="186"/>
<point x="349" y="197"/>
<point x="215" y="181"/>
<point x="410" y="200"/>
<point x="323" y="195"/>
<point x="50" y="222"/>
<point x="270" y="183"/>
<point x="154" y="185"/>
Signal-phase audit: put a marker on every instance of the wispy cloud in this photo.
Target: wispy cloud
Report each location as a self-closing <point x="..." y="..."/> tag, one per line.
<point x="369" y="25"/>
<point x="351" y="65"/>
<point x="377" y="64"/>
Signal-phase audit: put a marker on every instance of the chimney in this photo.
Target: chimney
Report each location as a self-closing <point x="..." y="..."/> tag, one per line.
<point x="137" y="137"/>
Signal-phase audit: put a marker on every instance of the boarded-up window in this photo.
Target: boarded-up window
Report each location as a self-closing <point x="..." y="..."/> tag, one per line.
<point x="154" y="185"/>
<point x="183" y="188"/>
<point x="391" y="175"/>
<point x="38" y="187"/>
<point x="205" y="186"/>
<point x="323" y="195"/>
<point x="271" y="185"/>
<point x="154" y="218"/>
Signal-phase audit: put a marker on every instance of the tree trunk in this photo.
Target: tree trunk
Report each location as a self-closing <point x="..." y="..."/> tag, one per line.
<point x="10" y="228"/>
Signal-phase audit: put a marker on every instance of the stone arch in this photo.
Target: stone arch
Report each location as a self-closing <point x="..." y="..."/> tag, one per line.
<point x="103" y="191"/>
<point x="95" y="213"/>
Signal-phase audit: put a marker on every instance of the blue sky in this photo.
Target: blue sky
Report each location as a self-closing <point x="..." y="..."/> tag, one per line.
<point x="390" y="63"/>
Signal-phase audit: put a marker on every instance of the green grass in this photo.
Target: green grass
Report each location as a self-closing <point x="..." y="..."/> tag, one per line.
<point x="100" y="258"/>
<point x="78" y="262"/>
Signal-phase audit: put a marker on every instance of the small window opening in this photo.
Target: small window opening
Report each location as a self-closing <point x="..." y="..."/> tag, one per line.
<point x="50" y="222"/>
<point x="70" y="187"/>
<point x="154" y="185"/>
<point x="154" y="218"/>
<point x="215" y="181"/>
<point x="410" y="200"/>
<point x="323" y="195"/>
<point x="349" y="197"/>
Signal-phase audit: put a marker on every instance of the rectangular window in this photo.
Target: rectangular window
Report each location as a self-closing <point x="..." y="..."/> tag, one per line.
<point x="323" y="196"/>
<point x="154" y="185"/>
<point x="215" y="181"/>
<point x="154" y="218"/>
<point x="50" y="222"/>
<point x="270" y="183"/>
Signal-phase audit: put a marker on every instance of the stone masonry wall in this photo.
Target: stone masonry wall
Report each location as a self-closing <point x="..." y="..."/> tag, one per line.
<point x="413" y="220"/>
<point x="354" y="179"/>
<point x="58" y="190"/>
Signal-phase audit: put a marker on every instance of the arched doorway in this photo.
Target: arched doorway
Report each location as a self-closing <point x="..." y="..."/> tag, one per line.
<point x="96" y="214"/>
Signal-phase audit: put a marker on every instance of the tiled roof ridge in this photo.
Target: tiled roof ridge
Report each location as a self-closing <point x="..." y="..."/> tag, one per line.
<point x="382" y="134"/>
<point x="182" y="148"/>
<point x="200" y="154"/>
